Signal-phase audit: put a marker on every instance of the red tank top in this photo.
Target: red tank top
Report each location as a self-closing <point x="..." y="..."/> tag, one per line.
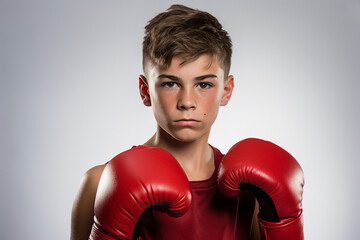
<point x="211" y="216"/>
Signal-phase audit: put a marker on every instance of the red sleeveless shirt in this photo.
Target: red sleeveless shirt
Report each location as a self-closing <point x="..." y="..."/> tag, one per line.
<point x="211" y="216"/>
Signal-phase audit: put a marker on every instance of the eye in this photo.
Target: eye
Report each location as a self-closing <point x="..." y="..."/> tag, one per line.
<point x="205" y="85"/>
<point x="169" y="84"/>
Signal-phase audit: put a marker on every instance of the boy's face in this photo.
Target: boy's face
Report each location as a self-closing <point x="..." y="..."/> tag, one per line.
<point x="186" y="98"/>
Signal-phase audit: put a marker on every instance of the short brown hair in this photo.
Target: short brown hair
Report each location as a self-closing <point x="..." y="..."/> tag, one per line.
<point x="186" y="32"/>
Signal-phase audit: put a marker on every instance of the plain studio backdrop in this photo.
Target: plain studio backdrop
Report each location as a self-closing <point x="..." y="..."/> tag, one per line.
<point x="69" y="100"/>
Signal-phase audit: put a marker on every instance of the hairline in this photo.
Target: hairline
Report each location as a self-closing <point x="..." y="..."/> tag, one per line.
<point x="214" y="57"/>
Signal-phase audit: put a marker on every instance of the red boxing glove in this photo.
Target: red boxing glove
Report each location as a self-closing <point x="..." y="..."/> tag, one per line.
<point x="136" y="180"/>
<point x="277" y="180"/>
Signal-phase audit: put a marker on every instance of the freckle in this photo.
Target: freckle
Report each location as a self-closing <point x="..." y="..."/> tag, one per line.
<point x="204" y="114"/>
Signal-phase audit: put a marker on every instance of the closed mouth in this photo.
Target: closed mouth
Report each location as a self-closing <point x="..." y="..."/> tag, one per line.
<point x="187" y="120"/>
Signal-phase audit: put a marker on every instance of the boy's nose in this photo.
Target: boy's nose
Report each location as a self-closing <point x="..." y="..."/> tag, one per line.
<point x="186" y="100"/>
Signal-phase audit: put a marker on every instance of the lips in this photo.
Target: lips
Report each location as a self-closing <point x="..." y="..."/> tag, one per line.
<point x="187" y="122"/>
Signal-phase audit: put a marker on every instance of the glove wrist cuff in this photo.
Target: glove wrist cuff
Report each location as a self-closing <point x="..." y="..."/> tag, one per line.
<point x="283" y="230"/>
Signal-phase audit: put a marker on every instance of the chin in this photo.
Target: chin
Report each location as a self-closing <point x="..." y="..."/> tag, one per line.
<point x="186" y="139"/>
<point x="187" y="135"/>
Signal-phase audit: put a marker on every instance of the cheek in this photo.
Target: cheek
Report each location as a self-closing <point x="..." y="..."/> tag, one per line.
<point x="211" y="112"/>
<point x="167" y="99"/>
<point x="164" y="103"/>
<point x="211" y="105"/>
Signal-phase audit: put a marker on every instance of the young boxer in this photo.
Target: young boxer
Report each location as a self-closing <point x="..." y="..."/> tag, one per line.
<point x="175" y="185"/>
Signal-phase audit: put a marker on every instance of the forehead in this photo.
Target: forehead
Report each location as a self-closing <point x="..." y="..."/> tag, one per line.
<point x="204" y="64"/>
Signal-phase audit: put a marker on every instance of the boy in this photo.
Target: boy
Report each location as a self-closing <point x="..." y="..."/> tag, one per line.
<point x="144" y="193"/>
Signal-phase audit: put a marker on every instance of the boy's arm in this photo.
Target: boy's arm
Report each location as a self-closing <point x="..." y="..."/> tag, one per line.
<point x="82" y="216"/>
<point x="255" y="231"/>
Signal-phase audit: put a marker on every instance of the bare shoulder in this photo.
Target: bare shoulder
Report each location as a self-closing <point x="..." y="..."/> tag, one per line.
<point x="93" y="175"/>
<point x="83" y="206"/>
<point x="255" y="229"/>
<point x="90" y="181"/>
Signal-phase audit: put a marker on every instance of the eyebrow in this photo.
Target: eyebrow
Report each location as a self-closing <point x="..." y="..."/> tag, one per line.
<point x="199" y="78"/>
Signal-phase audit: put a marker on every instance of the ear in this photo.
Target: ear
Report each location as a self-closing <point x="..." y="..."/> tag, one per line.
<point x="144" y="91"/>
<point x="228" y="89"/>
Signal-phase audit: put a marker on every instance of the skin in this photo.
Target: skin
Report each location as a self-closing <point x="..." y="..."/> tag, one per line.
<point x="82" y="215"/>
<point x="185" y="99"/>
<point x="182" y="92"/>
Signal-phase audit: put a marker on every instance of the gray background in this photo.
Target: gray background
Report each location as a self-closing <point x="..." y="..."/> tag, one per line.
<point x="69" y="100"/>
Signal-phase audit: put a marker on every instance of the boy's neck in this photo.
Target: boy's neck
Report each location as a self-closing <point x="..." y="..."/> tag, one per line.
<point x="195" y="157"/>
